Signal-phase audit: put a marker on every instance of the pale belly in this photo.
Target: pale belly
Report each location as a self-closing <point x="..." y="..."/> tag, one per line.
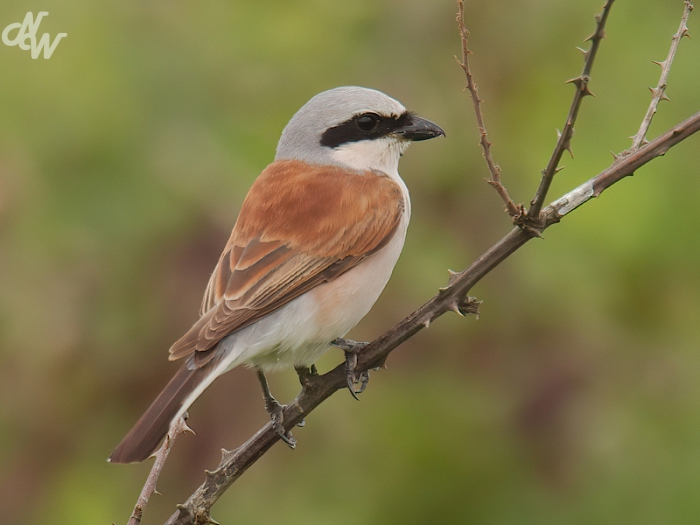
<point x="300" y="332"/>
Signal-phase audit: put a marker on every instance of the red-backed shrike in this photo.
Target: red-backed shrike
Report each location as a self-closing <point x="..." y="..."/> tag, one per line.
<point x="314" y="245"/>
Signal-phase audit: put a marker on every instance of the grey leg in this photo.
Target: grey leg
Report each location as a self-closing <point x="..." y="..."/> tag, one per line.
<point x="275" y="411"/>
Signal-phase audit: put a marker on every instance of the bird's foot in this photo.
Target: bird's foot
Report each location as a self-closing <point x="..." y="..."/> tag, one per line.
<point x="305" y="374"/>
<point x="276" y="412"/>
<point x="351" y="349"/>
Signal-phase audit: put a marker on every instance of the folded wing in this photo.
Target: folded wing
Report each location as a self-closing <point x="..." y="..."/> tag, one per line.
<point x="299" y="226"/>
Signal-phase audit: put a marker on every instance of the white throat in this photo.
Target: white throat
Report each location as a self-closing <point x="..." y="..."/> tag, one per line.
<point x="380" y="154"/>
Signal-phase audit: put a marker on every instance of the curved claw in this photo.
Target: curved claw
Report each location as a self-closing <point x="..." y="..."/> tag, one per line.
<point x="364" y="379"/>
<point x="350" y="366"/>
<point x="351" y="387"/>
<point x="288" y="439"/>
<point x="276" y="413"/>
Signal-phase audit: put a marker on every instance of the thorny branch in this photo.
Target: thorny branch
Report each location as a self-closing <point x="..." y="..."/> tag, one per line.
<point x="180" y="427"/>
<point x="451" y="298"/>
<point x="659" y="92"/>
<point x="495" y="181"/>
<point x="564" y="142"/>
<point x="318" y="388"/>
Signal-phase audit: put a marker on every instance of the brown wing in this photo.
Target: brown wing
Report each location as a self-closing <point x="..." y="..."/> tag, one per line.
<point x="299" y="226"/>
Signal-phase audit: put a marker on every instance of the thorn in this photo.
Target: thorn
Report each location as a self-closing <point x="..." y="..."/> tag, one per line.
<point x="567" y="147"/>
<point x="659" y="92"/>
<point x="581" y="84"/>
<point x="209" y="473"/>
<point x="455" y="308"/>
<point x="661" y="64"/>
<point x="559" y="169"/>
<point x="584" y="51"/>
<point x="155" y="491"/>
<point x="558" y="134"/>
<point x="616" y="157"/>
<point x="212" y="521"/>
<point x="453" y="276"/>
<point x="186" y="429"/>
<point x="426" y="323"/>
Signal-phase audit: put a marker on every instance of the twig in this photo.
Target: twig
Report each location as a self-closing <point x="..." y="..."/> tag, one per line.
<point x="659" y="92"/>
<point x="495" y="181"/>
<point x="179" y="427"/>
<point x="452" y="298"/>
<point x="196" y="510"/>
<point x="564" y="142"/>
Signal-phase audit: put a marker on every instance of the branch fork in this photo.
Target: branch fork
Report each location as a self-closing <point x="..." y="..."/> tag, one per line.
<point x="454" y="297"/>
<point x="564" y="141"/>
<point x="658" y="93"/>
<point x="512" y="209"/>
<point x="149" y="488"/>
<point x="195" y="511"/>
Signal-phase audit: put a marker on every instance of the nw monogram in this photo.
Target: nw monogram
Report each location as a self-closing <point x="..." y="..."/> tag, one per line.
<point x="27" y="31"/>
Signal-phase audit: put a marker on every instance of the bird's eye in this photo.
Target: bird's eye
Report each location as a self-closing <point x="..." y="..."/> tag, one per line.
<point x="368" y="122"/>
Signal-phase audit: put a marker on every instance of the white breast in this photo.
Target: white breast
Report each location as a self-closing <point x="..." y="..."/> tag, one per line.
<point x="300" y="332"/>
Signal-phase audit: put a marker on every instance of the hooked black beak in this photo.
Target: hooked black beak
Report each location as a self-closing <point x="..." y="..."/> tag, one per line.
<point x="417" y="128"/>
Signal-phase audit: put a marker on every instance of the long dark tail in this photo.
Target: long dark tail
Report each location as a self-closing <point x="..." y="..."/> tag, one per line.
<point x="143" y="439"/>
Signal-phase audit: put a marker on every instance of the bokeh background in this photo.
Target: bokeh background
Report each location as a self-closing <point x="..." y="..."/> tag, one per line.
<point x="575" y="398"/>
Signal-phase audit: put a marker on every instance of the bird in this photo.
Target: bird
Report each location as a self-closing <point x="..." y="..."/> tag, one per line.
<point x="315" y="242"/>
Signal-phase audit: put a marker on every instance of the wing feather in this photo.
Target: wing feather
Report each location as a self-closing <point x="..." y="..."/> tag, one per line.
<point x="299" y="226"/>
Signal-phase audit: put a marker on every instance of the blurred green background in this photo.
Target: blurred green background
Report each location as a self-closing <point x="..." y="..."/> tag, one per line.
<point x="123" y="162"/>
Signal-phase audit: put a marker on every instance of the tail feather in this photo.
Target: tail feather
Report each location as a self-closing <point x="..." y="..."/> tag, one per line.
<point x="143" y="439"/>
